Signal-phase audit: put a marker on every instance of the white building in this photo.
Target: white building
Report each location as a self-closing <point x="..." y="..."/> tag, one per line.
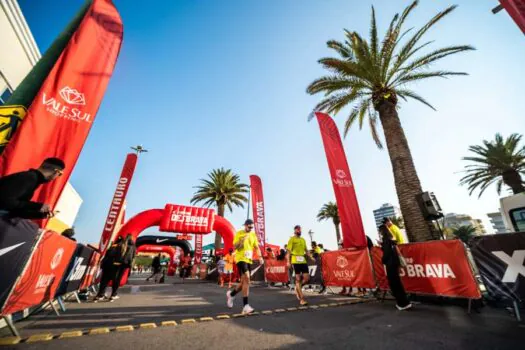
<point x="453" y="220"/>
<point x="19" y="54"/>
<point x="496" y="219"/>
<point x="387" y="210"/>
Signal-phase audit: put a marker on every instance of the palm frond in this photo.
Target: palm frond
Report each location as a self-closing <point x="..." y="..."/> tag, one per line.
<point x="411" y="94"/>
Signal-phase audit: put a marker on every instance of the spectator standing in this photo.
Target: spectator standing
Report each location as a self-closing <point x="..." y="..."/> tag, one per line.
<point x="123" y="261"/>
<point x="16" y="190"/>
<point x="392" y="262"/>
<point x="155" y="265"/>
<point x="108" y="269"/>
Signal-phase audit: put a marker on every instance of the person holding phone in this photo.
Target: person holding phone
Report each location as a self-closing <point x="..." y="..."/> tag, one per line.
<point x="16" y="190"/>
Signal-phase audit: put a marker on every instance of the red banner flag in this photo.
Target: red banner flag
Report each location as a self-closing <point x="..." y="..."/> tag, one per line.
<point x="435" y="267"/>
<point x="117" y="204"/>
<point x="258" y="209"/>
<point x="198" y="249"/>
<point x="516" y="10"/>
<point x="347" y="268"/>
<point x="351" y="222"/>
<point x="63" y="111"/>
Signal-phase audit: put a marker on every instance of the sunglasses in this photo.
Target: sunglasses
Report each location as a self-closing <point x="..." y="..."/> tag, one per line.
<point x="250" y="227"/>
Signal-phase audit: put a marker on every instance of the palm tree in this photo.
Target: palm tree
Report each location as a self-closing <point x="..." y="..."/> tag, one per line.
<point x="371" y="76"/>
<point x="330" y="211"/>
<point x="464" y="233"/>
<point x="222" y="189"/>
<point x="501" y="161"/>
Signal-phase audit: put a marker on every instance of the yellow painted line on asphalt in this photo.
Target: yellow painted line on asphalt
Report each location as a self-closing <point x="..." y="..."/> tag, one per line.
<point x="255" y="313"/>
<point x="95" y="331"/>
<point x="10" y="340"/>
<point x="39" y="337"/>
<point x="267" y="312"/>
<point x="292" y="309"/>
<point x="280" y="310"/>
<point x="223" y="317"/>
<point x="302" y="308"/>
<point x="323" y="305"/>
<point x="333" y="304"/>
<point x="168" y="323"/>
<point x="188" y="321"/>
<point x="150" y="325"/>
<point x="70" y="334"/>
<point x="238" y="315"/>
<point x="206" y="319"/>
<point x="127" y="328"/>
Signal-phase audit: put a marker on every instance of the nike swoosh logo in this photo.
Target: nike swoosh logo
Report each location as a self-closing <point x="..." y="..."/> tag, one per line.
<point x="8" y="249"/>
<point x="161" y="240"/>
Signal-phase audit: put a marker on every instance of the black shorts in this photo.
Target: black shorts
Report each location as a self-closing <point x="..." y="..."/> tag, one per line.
<point x="243" y="267"/>
<point x="300" y="268"/>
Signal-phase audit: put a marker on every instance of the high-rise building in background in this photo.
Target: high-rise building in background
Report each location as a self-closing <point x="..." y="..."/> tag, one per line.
<point x="19" y="54"/>
<point x="387" y="210"/>
<point x="496" y="219"/>
<point x="453" y="220"/>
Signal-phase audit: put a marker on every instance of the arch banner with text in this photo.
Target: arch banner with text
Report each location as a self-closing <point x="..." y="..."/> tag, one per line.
<point x="180" y="219"/>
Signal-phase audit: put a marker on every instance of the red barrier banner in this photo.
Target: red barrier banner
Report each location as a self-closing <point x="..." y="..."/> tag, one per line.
<point x="44" y="273"/>
<point x="198" y="249"/>
<point x="351" y="222"/>
<point x="258" y="210"/>
<point x="93" y="267"/>
<point x="117" y="203"/>
<point x="276" y="271"/>
<point x="180" y="218"/>
<point x="435" y="267"/>
<point x="347" y="268"/>
<point x="516" y="10"/>
<point x="62" y="113"/>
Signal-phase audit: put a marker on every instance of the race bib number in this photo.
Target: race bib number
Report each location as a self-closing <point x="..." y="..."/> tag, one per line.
<point x="248" y="254"/>
<point x="300" y="259"/>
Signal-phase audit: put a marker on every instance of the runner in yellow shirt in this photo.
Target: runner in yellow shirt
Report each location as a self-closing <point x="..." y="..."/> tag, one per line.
<point x="395" y="231"/>
<point x="297" y="257"/>
<point x="245" y="242"/>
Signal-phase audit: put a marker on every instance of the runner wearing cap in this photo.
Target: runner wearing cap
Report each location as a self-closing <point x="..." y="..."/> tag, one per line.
<point x="245" y="242"/>
<point x="297" y="256"/>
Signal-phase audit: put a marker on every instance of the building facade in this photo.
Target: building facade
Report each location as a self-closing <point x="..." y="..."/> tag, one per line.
<point x="496" y="219"/>
<point x="453" y="220"/>
<point x="387" y="210"/>
<point x="19" y="54"/>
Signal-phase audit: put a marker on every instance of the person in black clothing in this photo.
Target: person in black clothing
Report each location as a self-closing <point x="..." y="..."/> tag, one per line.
<point x="69" y="233"/>
<point x="16" y="190"/>
<point x="155" y="264"/>
<point x="392" y="263"/>
<point x="122" y="262"/>
<point x="108" y="269"/>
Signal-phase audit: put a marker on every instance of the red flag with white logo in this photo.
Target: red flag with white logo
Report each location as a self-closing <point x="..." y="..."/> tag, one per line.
<point x="198" y="249"/>
<point x="62" y="113"/>
<point x="516" y="10"/>
<point x="258" y="209"/>
<point x="351" y="222"/>
<point x="117" y="204"/>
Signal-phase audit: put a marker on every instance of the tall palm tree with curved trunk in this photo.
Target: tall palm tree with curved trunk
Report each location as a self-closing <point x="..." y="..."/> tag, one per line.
<point x="501" y="161"/>
<point x="329" y="211"/>
<point x="371" y="76"/>
<point x="223" y="189"/>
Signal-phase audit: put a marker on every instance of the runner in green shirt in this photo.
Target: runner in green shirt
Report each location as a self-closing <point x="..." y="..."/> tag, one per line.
<point x="297" y="257"/>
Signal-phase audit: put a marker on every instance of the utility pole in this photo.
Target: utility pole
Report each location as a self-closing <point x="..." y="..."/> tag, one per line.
<point x="311" y="234"/>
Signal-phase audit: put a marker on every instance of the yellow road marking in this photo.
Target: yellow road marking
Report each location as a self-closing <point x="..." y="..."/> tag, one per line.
<point x="302" y="308"/>
<point x="292" y="309"/>
<point x="10" y="340"/>
<point x="280" y="310"/>
<point x="39" y="337"/>
<point x="188" y="321"/>
<point x="267" y="312"/>
<point x="127" y="328"/>
<point x="223" y="317"/>
<point x="168" y="323"/>
<point x="95" y="331"/>
<point x="70" y="334"/>
<point x="238" y="315"/>
<point x="148" y="325"/>
<point x="206" y="319"/>
<point x="323" y="305"/>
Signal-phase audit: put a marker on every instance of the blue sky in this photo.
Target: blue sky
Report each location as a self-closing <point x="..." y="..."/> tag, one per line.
<point x="207" y="84"/>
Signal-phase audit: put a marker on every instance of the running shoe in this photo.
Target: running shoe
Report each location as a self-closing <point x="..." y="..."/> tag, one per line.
<point x="402" y="308"/>
<point x="247" y="309"/>
<point x="97" y="299"/>
<point x="229" y="299"/>
<point x="303" y="302"/>
<point x="112" y="299"/>
<point x="116" y="297"/>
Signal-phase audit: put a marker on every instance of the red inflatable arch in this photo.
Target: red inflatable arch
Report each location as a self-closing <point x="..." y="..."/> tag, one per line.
<point x="180" y="219"/>
<point x="148" y="248"/>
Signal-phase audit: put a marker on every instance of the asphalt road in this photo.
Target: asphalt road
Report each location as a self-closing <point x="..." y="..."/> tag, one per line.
<point x="372" y="325"/>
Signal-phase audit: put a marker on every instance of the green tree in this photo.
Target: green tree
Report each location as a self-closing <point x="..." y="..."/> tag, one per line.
<point x="223" y="189"/>
<point x="501" y="161"/>
<point x="371" y="75"/>
<point x="464" y="233"/>
<point x="329" y="211"/>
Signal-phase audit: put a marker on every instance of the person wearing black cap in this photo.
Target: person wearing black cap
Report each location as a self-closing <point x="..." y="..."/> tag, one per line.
<point x="297" y="257"/>
<point x="16" y="190"/>
<point x="245" y="242"/>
